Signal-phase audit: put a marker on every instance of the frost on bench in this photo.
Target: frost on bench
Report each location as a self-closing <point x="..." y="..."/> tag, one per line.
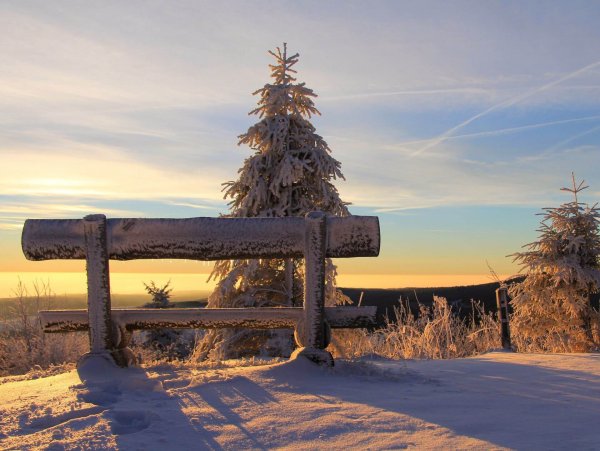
<point x="55" y="321"/>
<point x="200" y="238"/>
<point x="98" y="239"/>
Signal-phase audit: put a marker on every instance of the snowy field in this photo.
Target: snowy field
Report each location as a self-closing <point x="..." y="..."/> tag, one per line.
<point x="495" y="401"/>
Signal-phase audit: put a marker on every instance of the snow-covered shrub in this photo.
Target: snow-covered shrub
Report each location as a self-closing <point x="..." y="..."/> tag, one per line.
<point x="161" y="296"/>
<point x="163" y="343"/>
<point x="552" y="310"/>
<point x="434" y="333"/>
<point x="290" y="173"/>
<point x="23" y="345"/>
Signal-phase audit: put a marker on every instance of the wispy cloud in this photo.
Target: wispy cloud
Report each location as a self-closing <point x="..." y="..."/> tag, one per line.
<point x="403" y="211"/>
<point x="573" y="138"/>
<point x="106" y="109"/>
<point x="43" y="210"/>
<point x="411" y="92"/>
<point x="12" y="227"/>
<point x="193" y="205"/>
<point x="103" y="176"/>
<point x="504" y="131"/>
<point x="13" y="215"/>
<point x="549" y="152"/>
<point x="509" y="102"/>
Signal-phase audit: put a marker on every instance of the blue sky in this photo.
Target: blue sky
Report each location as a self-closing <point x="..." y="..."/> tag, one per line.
<point x="455" y="122"/>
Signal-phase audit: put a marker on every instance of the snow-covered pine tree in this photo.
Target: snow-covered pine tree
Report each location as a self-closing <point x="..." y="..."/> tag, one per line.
<point x="164" y="343"/>
<point x="290" y="173"/>
<point x="161" y="296"/>
<point x="552" y="309"/>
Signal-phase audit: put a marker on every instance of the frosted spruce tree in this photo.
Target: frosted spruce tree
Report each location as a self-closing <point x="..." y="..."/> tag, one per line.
<point x="161" y="296"/>
<point x="290" y="173"/>
<point x="552" y="309"/>
<point x="164" y="343"/>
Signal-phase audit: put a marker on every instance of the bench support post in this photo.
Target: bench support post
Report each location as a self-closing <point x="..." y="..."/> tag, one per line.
<point x="98" y="281"/>
<point x="312" y="331"/>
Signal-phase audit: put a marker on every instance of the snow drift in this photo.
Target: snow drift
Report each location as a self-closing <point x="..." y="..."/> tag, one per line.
<point x="495" y="401"/>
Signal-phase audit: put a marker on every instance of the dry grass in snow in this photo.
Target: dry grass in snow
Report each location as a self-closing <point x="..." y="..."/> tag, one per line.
<point x="435" y="333"/>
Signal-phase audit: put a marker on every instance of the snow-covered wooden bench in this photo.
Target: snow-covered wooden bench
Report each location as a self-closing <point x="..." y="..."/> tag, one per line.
<point x="97" y="239"/>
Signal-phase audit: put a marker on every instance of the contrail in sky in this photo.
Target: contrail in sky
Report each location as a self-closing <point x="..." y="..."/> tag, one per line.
<point x="572" y="138"/>
<point x="503" y="131"/>
<point x="403" y="93"/>
<point x="505" y="104"/>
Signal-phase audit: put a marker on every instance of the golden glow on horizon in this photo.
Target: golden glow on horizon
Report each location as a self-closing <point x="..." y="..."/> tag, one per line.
<point x="411" y="280"/>
<point x="70" y="283"/>
<point x="132" y="283"/>
<point x="14" y="261"/>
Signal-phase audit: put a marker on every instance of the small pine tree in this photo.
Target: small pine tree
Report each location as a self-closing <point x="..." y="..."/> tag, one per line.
<point x="290" y="173"/>
<point x="165" y="343"/>
<point x="552" y="309"/>
<point x="161" y="296"/>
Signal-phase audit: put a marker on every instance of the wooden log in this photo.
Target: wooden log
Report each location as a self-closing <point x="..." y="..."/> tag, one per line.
<point x="200" y="238"/>
<point x="264" y="318"/>
<point x="55" y="321"/>
<point x="351" y="317"/>
<point x="311" y="333"/>
<point x="353" y="236"/>
<point x="100" y="326"/>
<point x="53" y="239"/>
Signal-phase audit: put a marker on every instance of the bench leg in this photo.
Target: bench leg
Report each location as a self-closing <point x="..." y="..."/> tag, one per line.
<point x="96" y="257"/>
<point x="311" y="332"/>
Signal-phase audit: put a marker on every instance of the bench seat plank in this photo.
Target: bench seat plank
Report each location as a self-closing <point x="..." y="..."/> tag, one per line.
<point x="177" y="318"/>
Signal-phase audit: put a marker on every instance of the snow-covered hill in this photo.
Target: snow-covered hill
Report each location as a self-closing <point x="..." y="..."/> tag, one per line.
<point x="495" y="401"/>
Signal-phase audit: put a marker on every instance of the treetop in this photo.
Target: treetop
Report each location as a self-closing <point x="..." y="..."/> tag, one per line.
<point x="281" y="71"/>
<point x="576" y="187"/>
<point x="284" y="97"/>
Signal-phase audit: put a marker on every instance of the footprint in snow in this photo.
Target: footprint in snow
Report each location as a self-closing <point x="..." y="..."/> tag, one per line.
<point x="98" y="394"/>
<point x="129" y="421"/>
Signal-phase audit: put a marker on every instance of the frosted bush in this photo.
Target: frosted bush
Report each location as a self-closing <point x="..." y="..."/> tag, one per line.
<point x="23" y="345"/>
<point x="552" y="309"/>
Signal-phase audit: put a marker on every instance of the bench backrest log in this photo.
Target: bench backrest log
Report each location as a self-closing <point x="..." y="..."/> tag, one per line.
<point x="98" y="239"/>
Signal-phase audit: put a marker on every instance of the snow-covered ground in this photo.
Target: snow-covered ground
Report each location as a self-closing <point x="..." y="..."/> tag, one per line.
<point x="495" y="401"/>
